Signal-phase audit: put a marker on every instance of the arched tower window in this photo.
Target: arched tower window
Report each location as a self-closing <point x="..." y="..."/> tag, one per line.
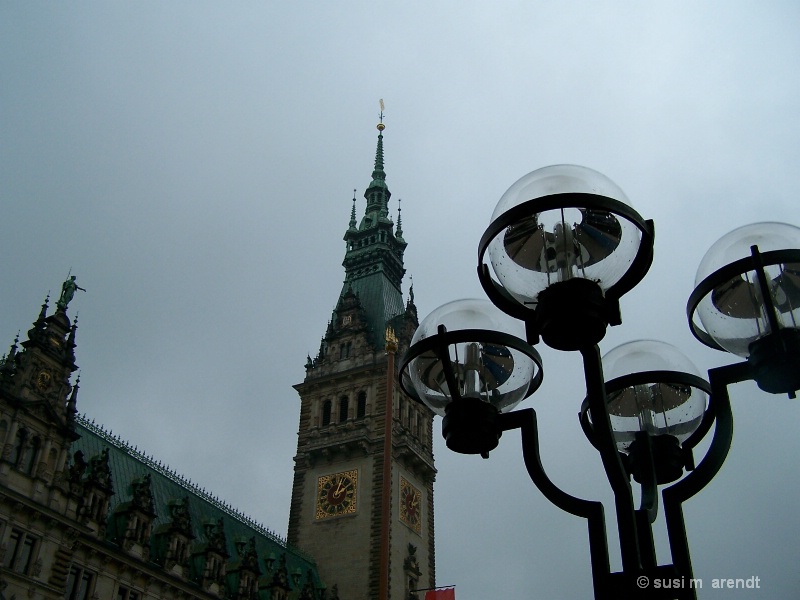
<point x="343" y="405"/>
<point x="345" y="349"/>
<point x="361" y="406"/>
<point x="326" y="412"/>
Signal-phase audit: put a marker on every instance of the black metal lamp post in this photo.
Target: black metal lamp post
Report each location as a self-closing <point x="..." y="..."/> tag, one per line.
<point x="563" y="247"/>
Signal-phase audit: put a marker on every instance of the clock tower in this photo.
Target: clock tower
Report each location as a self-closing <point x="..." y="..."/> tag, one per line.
<point x="362" y="498"/>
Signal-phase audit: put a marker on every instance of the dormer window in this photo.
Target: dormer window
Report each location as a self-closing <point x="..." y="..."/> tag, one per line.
<point x="347" y="319"/>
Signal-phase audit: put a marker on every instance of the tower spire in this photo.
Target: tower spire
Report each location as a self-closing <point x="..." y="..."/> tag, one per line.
<point x="377" y="193"/>
<point x="373" y="261"/>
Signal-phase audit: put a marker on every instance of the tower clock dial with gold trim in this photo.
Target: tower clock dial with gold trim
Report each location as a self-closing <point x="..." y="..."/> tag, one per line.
<point x="43" y="380"/>
<point x="336" y="494"/>
<point x="410" y="505"/>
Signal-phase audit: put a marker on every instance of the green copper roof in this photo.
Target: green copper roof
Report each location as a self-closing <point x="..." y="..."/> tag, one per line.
<point x="127" y="463"/>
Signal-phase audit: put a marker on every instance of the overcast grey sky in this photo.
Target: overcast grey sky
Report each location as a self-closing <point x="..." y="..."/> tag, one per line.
<point x="193" y="164"/>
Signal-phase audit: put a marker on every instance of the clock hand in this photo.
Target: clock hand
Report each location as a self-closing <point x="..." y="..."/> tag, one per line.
<point x="339" y="489"/>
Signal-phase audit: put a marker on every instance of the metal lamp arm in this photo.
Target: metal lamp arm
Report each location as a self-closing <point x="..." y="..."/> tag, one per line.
<point x="615" y="471"/>
<point x="525" y="420"/>
<point x="696" y="480"/>
<point x="720" y="409"/>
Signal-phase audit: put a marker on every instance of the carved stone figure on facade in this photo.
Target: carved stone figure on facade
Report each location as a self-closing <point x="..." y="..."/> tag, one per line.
<point x="99" y="470"/>
<point x="141" y="494"/>
<point x="248" y="555"/>
<point x="68" y="292"/>
<point x="216" y="539"/>
<point x="334" y="595"/>
<point x="413" y="573"/>
<point x="180" y="518"/>
<point x="309" y="592"/>
<point x="78" y="468"/>
<point x="280" y="578"/>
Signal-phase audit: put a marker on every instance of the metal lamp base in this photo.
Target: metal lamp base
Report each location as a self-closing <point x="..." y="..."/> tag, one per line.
<point x="775" y="360"/>
<point x="574" y="314"/>
<point x="667" y="458"/>
<point x="471" y="426"/>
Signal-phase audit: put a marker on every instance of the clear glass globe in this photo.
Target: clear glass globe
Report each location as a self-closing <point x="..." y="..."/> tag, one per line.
<point x="495" y="373"/>
<point x="658" y="408"/>
<point x="733" y="314"/>
<point x="544" y="247"/>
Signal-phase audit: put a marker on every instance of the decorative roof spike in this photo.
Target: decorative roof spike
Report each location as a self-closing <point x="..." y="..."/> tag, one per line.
<point x="353" y="212"/>
<point x="43" y="312"/>
<point x="399" y="233"/>
<point x="7" y="364"/>
<point x="71" y="338"/>
<point x="12" y="352"/>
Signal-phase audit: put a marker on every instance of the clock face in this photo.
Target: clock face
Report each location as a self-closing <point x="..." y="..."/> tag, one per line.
<point x="43" y="380"/>
<point x="410" y="505"/>
<point x="336" y="494"/>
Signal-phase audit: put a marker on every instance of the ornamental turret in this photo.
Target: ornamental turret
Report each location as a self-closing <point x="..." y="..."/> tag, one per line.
<point x="38" y="403"/>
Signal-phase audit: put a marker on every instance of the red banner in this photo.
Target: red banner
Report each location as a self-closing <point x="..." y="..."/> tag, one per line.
<point x="448" y="594"/>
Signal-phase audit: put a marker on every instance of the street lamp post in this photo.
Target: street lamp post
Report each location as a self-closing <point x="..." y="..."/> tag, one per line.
<point x="563" y="246"/>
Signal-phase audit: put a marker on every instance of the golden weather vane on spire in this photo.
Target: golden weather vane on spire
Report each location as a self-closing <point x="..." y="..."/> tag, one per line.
<point x="381" y="126"/>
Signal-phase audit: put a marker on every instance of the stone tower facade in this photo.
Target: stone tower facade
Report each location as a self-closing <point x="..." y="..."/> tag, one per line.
<point x="362" y="498"/>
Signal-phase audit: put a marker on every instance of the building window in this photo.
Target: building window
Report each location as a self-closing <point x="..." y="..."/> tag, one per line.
<point x="345" y="349"/>
<point x="361" y="406"/>
<point x="79" y="584"/>
<point x="326" y="412"/>
<point x="127" y="594"/>
<point x="21" y="546"/>
<point x="343" y="405"/>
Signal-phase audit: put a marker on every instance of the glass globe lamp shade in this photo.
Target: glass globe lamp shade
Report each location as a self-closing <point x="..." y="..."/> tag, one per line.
<point x="659" y="396"/>
<point x="560" y="224"/>
<point x="496" y="373"/>
<point x="734" y="303"/>
<point x="466" y="365"/>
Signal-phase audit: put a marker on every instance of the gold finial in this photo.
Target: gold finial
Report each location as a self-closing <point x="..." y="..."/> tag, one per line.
<point x="381" y="126"/>
<point x="391" y="340"/>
